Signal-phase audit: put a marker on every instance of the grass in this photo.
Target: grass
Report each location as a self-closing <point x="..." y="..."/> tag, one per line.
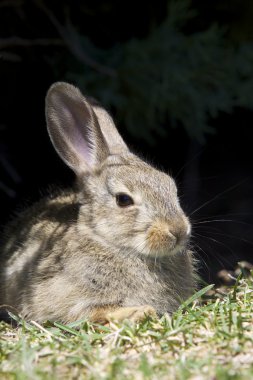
<point x="211" y="338"/>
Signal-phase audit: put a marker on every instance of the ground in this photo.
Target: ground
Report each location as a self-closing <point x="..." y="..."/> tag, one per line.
<point x="209" y="337"/>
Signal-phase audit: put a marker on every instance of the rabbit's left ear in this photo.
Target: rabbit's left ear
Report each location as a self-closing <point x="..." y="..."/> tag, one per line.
<point x="82" y="132"/>
<point x="74" y="129"/>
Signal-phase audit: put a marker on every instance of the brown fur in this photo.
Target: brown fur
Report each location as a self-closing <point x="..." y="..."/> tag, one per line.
<point x="78" y="254"/>
<point x="106" y="314"/>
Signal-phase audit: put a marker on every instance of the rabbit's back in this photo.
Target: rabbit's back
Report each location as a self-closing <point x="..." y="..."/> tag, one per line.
<point x="30" y="239"/>
<point x="38" y="223"/>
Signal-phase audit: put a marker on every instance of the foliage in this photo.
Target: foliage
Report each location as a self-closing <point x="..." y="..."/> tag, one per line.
<point x="173" y="75"/>
<point x="211" y="339"/>
<point x="170" y="77"/>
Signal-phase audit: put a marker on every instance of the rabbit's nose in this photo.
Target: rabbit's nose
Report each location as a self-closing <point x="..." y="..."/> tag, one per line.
<point x="167" y="235"/>
<point x="181" y="230"/>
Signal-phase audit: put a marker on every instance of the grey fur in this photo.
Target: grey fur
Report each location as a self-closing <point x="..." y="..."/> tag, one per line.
<point x="79" y="254"/>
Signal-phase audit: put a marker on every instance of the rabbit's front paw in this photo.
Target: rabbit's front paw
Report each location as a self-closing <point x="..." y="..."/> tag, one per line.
<point x="134" y="313"/>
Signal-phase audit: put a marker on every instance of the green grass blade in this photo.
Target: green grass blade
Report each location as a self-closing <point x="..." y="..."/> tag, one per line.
<point x="194" y="297"/>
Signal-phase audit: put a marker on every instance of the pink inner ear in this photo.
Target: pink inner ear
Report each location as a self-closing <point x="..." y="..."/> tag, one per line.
<point x="75" y="121"/>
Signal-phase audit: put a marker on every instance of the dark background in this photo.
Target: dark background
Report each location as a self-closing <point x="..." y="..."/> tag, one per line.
<point x="100" y="46"/>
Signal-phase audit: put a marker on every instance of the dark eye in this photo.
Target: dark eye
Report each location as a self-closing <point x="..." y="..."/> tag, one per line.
<point x="124" y="200"/>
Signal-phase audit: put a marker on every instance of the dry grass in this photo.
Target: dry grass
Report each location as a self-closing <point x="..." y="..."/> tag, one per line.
<point x="211" y="339"/>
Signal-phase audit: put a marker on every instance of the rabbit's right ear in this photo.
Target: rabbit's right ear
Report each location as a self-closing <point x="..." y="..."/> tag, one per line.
<point x="114" y="140"/>
<point x="74" y="128"/>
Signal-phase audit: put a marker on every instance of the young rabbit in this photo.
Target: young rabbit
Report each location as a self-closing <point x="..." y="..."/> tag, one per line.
<point x="114" y="248"/>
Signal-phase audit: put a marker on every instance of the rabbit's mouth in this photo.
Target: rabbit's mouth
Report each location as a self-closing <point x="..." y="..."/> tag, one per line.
<point x="166" y="238"/>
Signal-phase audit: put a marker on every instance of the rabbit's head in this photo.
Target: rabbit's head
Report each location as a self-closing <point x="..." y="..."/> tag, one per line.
<point x="124" y="201"/>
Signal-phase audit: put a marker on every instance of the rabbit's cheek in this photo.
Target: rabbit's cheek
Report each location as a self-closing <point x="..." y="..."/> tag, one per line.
<point x="138" y="242"/>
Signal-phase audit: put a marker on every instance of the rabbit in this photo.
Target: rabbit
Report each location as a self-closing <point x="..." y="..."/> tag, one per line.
<point x="114" y="247"/>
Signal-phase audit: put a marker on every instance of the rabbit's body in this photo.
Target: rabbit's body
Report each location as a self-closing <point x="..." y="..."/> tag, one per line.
<point x="98" y="251"/>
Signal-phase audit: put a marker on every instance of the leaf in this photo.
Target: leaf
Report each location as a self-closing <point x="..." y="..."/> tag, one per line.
<point x="66" y="328"/>
<point x="195" y="296"/>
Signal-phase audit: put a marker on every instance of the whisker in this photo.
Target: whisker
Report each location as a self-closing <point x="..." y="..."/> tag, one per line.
<point x="219" y="195"/>
<point x="232" y="236"/>
<point x="219" y="243"/>
<point x="189" y="162"/>
<point x="223" y="216"/>
<point x="201" y="257"/>
<point x="221" y="220"/>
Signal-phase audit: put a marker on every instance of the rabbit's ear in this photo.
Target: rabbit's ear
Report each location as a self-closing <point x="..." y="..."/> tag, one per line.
<point x="114" y="140"/>
<point x="74" y="128"/>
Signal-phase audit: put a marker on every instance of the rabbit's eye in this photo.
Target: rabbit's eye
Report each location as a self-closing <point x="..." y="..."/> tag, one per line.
<point x="124" y="200"/>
